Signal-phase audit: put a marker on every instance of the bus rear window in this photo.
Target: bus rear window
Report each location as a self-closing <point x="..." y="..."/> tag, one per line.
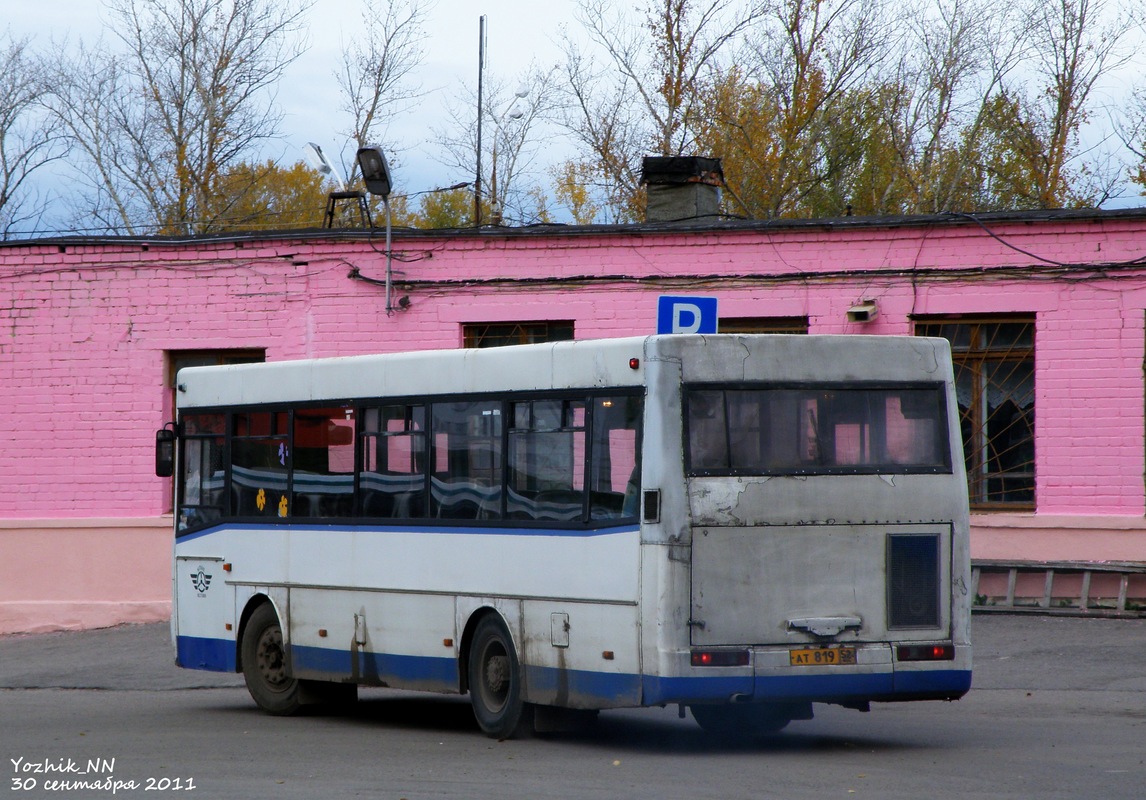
<point x="824" y="429"/>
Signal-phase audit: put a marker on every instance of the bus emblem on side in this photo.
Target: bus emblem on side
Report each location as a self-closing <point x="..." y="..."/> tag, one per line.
<point x="201" y="581"/>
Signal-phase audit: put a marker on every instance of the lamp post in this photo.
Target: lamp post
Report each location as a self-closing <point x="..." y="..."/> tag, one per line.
<point x="376" y="176"/>
<point x="512" y="113"/>
<point x="481" y="70"/>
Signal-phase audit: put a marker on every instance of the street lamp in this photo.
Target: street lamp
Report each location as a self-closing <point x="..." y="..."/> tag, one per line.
<point x="375" y="171"/>
<point x="512" y="113"/>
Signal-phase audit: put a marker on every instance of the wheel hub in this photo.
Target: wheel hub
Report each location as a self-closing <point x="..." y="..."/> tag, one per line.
<point x="272" y="664"/>
<point x="496" y="674"/>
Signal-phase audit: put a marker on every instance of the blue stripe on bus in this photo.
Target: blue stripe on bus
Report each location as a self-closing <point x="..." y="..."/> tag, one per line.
<point x="610" y="689"/>
<point x="930" y="681"/>
<point x="430" y="529"/>
<point x="215" y="655"/>
<point x="658" y="690"/>
<point x="584" y="688"/>
<point x="816" y="688"/>
<point x="424" y="672"/>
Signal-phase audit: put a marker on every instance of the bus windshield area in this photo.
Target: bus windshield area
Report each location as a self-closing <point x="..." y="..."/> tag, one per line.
<point x="820" y="429"/>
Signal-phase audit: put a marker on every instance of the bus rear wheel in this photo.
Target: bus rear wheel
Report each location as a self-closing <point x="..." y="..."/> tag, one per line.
<point x="265" y="664"/>
<point x="495" y="682"/>
<point x="746" y="720"/>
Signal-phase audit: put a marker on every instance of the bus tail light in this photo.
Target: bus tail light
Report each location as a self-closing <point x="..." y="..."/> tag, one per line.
<point x="925" y="652"/>
<point x="720" y="658"/>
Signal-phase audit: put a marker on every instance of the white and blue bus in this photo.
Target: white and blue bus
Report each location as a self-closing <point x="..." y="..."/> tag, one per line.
<point x="742" y="525"/>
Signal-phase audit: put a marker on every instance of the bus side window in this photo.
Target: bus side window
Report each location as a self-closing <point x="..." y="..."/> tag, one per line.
<point x="466" y="478"/>
<point x="260" y="463"/>
<point x="547" y="460"/>
<point x="202" y="479"/>
<point x="393" y="480"/>
<point x="323" y="473"/>
<point x="614" y="459"/>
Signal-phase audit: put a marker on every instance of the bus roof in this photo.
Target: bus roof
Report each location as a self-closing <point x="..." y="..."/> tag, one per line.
<point x="588" y="364"/>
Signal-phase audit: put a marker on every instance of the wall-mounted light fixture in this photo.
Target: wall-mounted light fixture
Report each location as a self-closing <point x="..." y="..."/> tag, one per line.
<point x="863" y="311"/>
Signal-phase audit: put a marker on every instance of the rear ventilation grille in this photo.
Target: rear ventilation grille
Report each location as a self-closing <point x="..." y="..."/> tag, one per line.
<point x="913" y="581"/>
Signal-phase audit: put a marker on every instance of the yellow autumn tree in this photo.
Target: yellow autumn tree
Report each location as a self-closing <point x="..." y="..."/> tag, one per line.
<point x="446" y="209"/>
<point x="269" y="197"/>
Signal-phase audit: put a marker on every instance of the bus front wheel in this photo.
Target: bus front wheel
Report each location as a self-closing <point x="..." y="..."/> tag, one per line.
<point x="265" y="664"/>
<point x="495" y="681"/>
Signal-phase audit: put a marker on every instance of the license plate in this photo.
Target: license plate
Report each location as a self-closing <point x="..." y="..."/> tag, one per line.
<point x="822" y="656"/>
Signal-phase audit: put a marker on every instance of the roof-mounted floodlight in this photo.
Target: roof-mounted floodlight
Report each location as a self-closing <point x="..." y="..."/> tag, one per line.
<point x="322" y="166"/>
<point x="375" y="170"/>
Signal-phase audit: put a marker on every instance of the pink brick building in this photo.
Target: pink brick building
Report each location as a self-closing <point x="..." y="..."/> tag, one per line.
<point x="1047" y="313"/>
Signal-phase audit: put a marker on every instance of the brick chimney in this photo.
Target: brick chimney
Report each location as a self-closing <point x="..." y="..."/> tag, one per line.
<point x="681" y="188"/>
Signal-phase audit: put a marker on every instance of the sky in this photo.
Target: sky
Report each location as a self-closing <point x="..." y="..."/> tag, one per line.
<point x="517" y="35"/>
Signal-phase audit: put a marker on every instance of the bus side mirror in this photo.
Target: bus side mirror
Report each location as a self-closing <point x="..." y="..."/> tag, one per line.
<point x="165" y="452"/>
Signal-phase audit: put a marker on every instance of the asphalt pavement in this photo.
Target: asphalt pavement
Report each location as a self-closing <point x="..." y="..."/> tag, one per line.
<point x="1057" y="712"/>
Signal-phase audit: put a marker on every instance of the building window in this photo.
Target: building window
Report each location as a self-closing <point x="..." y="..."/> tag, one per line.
<point x="499" y="334"/>
<point x="763" y="325"/>
<point x="178" y="359"/>
<point x="994" y="362"/>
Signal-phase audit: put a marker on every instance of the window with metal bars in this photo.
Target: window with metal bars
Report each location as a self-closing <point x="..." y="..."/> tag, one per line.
<point x="994" y="361"/>
<point x="500" y="334"/>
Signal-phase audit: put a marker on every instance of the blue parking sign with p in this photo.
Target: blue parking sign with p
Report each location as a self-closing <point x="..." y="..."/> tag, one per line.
<point x="686" y="314"/>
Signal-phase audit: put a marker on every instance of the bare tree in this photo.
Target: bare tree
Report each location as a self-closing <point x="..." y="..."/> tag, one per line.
<point x="958" y="55"/>
<point x="1075" y="43"/>
<point x="29" y="138"/>
<point x="92" y="99"/>
<point x="374" y="77"/>
<point x="1131" y="129"/>
<point x="189" y="95"/>
<point x="645" y="98"/>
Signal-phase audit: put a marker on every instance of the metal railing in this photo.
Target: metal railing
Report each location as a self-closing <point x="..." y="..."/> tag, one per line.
<point x="1080" y="600"/>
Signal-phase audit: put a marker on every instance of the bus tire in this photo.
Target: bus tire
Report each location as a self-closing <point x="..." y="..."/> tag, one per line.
<point x="741" y="721"/>
<point x="494" y="674"/>
<point x="265" y="664"/>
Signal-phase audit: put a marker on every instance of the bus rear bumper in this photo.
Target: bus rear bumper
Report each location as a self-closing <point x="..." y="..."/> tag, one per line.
<point x="946" y="684"/>
<point x="876" y="678"/>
